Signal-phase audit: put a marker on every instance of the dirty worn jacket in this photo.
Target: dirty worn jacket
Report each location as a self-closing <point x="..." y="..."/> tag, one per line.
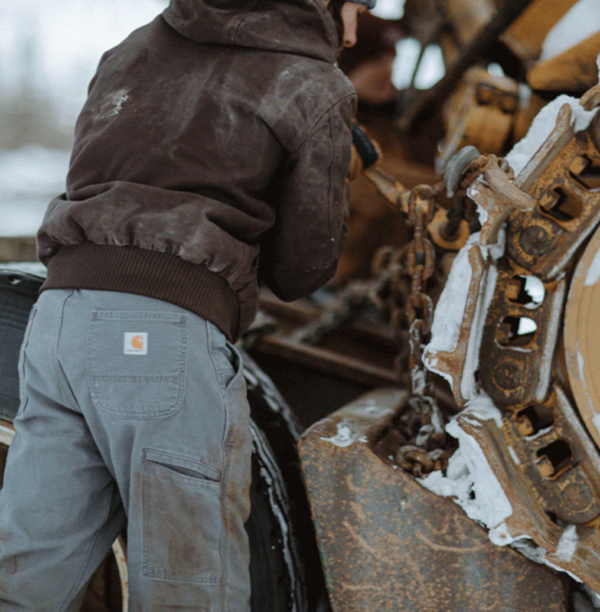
<point x="212" y="151"/>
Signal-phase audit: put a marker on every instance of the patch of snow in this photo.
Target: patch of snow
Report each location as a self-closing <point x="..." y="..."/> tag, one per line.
<point x="450" y="310"/>
<point x="540" y="433"/>
<point x="596" y="421"/>
<point x="567" y="543"/>
<point x="579" y="23"/>
<point x="560" y="569"/>
<point x="593" y="273"/>
<point x="470" y="480"/>
<point x="500" y="535"/>
<point x="513" y="454"/>
<point x="344" y="437"/>
<point x="528" y="548"/>
<point x="543" y="125"/>
<point x="580" y="363"/>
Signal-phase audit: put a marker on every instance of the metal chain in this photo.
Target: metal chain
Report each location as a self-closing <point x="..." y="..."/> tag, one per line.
<point x="423" y="421"/>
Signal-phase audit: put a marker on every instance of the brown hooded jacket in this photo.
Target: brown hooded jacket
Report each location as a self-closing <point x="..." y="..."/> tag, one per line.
<point x="218" y="133"/>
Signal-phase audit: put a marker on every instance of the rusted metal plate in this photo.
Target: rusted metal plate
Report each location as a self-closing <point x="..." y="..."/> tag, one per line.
<point x="517" y="368"/>
<point x="562" y="177"/>
<point x="582" y="336"/>
<point x="453" y="363"/>
<point x="556" y="457"/>
<point x="388" y="544"/>
<point x="529" y="518"/>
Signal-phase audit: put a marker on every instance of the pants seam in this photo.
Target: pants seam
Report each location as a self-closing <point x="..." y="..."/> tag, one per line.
<point x="60" y="373"/>
<point x="225" y="527"/>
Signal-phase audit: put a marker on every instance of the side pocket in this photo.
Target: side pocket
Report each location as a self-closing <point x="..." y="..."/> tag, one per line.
<point x="22" y="357"/>
<point x="227" y="360"/>
<point x="181" y="519"/>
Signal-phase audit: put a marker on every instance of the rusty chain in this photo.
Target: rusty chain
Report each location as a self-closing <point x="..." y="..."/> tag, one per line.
<point x="425" y="423"/>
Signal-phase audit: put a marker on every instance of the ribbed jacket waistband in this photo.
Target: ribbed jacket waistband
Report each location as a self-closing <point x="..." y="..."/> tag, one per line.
<point x="150" y="273"/>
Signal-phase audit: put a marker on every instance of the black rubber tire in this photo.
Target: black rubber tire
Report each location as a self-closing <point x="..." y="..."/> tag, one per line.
<point x="289" y="574"/>
<point x="270" y="575"/>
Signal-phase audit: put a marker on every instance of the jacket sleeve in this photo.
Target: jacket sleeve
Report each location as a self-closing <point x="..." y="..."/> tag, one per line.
<point x="300" y="253"/>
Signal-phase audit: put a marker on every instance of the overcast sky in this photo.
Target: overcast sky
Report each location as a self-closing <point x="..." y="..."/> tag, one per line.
<point x="65" y="39"/>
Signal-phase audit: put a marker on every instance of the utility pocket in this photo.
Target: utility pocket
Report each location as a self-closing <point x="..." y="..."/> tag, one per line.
<point x="181" y="519"/>
<point x="137" y="362"/>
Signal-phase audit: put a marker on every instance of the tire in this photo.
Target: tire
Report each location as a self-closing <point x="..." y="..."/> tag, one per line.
<point x="286" y="571"/>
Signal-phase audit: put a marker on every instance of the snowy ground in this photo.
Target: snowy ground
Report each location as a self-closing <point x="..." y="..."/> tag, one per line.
<point x="29" y="178"/>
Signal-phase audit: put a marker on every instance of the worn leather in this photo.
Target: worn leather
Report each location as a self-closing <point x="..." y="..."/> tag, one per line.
<point x="219" y="133"/>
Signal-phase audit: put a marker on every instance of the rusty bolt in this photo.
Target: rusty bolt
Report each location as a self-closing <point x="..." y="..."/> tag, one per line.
<point x="535" y="240"/>
<point x="508" y="375"/>
<point x="577" y="496"/>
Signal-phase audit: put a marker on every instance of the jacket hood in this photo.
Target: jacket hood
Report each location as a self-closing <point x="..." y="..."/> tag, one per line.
<point x="302" y="27"/>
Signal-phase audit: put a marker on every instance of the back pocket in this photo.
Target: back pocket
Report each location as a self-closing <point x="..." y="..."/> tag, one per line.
<point x="137" y="362"/>
<point x="181" y="519"/>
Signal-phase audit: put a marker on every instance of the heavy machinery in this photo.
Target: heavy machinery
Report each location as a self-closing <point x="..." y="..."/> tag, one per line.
<point x="451" y="459"/>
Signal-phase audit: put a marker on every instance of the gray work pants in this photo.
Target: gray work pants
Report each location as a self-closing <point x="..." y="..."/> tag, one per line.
<point x="133" y="411"/>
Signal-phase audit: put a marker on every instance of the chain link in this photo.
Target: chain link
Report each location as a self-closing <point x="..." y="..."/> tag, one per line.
<point x="428" y="425"/>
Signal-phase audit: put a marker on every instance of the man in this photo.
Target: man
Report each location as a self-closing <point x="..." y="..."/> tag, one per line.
<point x="212" y="151"/>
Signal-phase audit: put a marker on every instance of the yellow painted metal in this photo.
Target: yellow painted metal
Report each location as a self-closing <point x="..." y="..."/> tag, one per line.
<point x="573" y="71"/>
<point x="526" y="35"/>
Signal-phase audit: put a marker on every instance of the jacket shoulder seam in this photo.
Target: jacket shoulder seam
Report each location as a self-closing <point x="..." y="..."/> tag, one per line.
<point x="314" y="124"/>
<point x="243" y="18"/>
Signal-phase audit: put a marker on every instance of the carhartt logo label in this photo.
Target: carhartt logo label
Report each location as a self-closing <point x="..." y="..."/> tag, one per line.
<point x="136" y="343"/>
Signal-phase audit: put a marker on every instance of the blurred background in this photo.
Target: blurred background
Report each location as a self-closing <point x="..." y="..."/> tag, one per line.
<point x="48" y="54"/>
<point x="431" y="75"/>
